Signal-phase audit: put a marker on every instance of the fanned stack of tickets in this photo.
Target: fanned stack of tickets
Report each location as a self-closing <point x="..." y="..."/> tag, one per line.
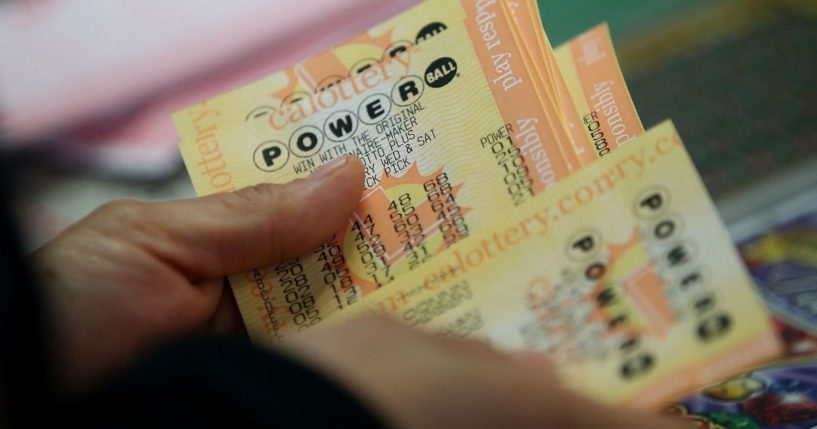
<point x="512" y="196"/>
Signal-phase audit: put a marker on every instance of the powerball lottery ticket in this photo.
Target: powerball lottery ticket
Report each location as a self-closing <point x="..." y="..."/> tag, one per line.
<point x="623" y="274"/>
<point x="448" y="119"/>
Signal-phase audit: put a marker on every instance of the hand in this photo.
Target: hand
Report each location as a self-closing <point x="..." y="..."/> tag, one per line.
<point x="134" y="274"/>
<point x="417" y="380"/>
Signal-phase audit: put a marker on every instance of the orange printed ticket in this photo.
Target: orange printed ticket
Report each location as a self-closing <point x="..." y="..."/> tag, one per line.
<point x="623" y="274"/>
<point x="540" y="56"/>
<point x="597" y="90"/>
<point x="445" y="118"/>
<point x="454" y="117"/>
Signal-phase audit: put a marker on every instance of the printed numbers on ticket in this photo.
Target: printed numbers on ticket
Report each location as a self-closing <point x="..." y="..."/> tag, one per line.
<point x="622" y="274"/>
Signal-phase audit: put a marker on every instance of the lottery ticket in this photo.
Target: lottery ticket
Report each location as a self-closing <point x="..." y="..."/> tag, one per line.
<point x="623" y="274"/>
<point x="427" y="116"/>
<point x="597" y="90"/>
<point x="537" y="55"/>
<point x="455" y="118"/>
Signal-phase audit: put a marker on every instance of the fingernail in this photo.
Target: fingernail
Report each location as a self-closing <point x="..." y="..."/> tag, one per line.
<point x="329" y="168"/>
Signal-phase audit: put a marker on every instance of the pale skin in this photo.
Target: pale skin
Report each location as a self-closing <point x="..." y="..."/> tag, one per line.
<point x="133" y="275"/>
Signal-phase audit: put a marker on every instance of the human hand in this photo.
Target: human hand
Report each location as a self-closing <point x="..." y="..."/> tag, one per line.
<point x="134" y="274"/>
<point x="418" y="380"/>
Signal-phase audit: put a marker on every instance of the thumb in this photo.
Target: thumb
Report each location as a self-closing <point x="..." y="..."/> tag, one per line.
<point x="231" y="232"/>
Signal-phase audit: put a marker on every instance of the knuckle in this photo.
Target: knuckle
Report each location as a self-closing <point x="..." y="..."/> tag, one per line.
<point x="248" y="197"/>
<point x="121" y="211"/>
<point x="123" y="219"/>
<point x="264" y="200"/>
